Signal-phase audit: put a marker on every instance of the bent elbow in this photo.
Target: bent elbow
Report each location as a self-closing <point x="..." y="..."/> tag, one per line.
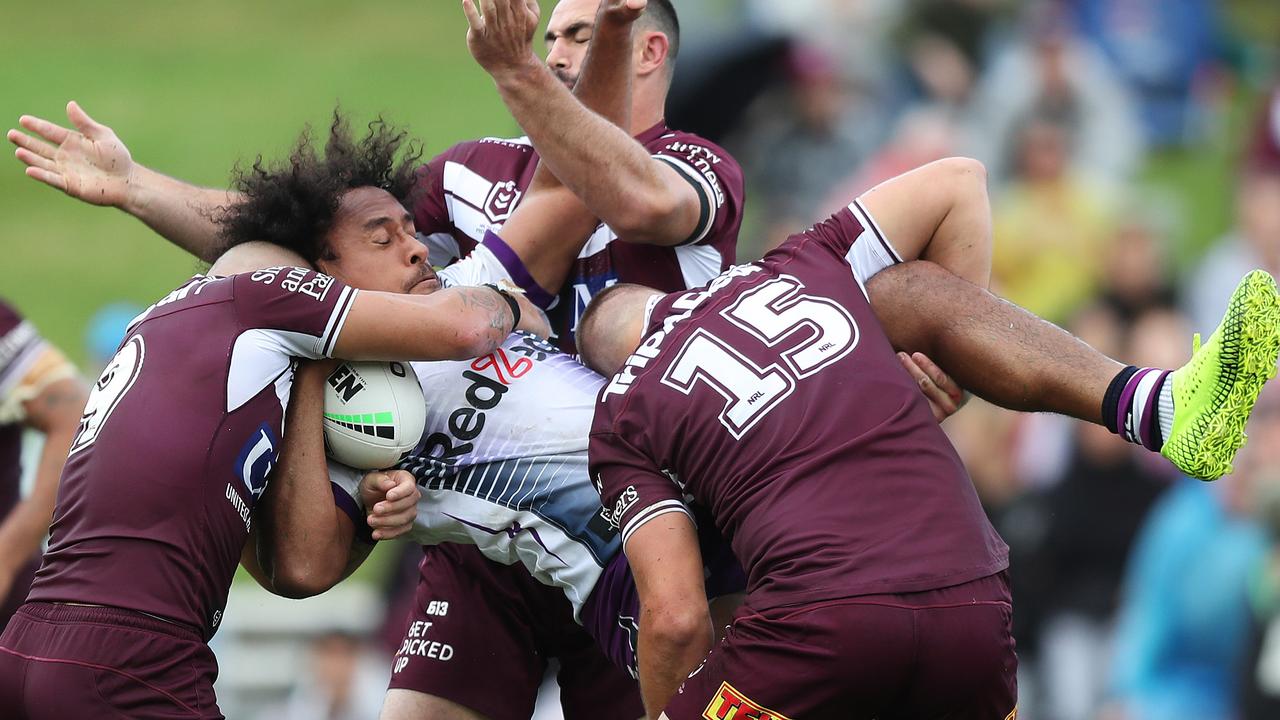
<point x="964" y="170"/>
<point x="298" y="581"/>
<point x="680" y="627"/>
<point x="644" y="219"/>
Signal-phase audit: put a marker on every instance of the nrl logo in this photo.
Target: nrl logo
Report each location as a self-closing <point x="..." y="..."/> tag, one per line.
<point x="503" y="198"/>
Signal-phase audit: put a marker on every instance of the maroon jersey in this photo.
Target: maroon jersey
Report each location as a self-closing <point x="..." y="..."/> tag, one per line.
<point x="773" y="398"/>
<point x="177" y="439"/>
<point x="472" y="188"/>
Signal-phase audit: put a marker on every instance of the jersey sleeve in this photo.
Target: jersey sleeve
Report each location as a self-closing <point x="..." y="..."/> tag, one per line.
<point x="493" y="261"/>
<point x="632" y="489"/>
<point x="851" y="234"/>
<point x="717" y="180"/>
<point x="303" y="310"/>
<point x="28" y="365"/>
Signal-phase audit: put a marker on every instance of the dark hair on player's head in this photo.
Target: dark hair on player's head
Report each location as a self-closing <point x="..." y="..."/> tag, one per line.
<point x="293" y="203"/>
<point x="600" y="328"/>
<point x="661" y="15"/>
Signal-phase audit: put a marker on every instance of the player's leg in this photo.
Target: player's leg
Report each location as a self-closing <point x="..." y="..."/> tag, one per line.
<point x="469" y="650"/>
<point x="1017" y="360"/>
<point x="939" y="212"/>
<point x="403" y="704"/>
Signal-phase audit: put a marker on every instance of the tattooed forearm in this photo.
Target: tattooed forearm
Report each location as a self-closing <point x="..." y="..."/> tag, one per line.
<point x="488" y="306"/>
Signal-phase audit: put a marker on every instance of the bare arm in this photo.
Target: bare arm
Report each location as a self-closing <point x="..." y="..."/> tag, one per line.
<point x="91" y="164"/>
<point x="643" y="199"/>
<point x="305" y="542"/>
<point x="550" y="226"/>
<point x="454" y="324"/>
<point x="675" y="623"/>
<point x="55" y="412"/>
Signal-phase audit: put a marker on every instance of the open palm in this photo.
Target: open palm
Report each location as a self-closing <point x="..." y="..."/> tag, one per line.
<point x="88" y="163"/>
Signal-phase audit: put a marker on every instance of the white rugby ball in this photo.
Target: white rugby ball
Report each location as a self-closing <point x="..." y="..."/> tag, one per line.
<point x="374" y="414"/>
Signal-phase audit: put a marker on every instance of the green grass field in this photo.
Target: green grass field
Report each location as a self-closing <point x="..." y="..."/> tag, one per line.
<point x="193" y="87"/>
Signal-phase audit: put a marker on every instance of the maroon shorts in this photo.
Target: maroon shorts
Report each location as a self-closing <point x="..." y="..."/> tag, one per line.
<point x="69" y="661"/>
<point x="481" y="633"/>
<point x="938" y="654"/>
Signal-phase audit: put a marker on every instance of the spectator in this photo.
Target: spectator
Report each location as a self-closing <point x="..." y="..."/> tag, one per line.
<point x="1097" y="508"/>
<point x="808" y="150"/>
<point x="1184" y="624"/>
<point x="339" y="683"/>
<point x="1050" y="70"/>
<point x="1256" y="240"/>
<point x="1165" y="52"/>
<point x="1051" y="225"/>
<point x="1260" y="681"/>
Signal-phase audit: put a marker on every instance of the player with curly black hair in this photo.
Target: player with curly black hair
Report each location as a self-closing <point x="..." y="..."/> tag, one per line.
<point x="295" y="203"/>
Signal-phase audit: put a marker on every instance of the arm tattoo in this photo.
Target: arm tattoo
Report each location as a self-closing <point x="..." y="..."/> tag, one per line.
<point x="492" y="306"/>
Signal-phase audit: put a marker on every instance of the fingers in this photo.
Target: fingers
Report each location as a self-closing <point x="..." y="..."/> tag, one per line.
<point x="85" y="124"/>
<point x="395" y="515"/>
<point x="52" y="132"/>
<point x="32" y="144"/>
<point x="35" y="160"/>
<point x="939" y="377"/>
<point x="473" y="16"/>
<point x="54" y="180"/>
<point x="942" y="403"/>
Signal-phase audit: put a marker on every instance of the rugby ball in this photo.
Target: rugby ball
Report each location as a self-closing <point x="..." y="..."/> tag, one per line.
<point x="374" y="414"/>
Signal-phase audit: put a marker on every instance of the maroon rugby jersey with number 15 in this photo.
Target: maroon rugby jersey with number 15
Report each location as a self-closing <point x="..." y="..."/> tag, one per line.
<point x="774" y="399"/>
<point x="472" y="188"/>
<point x="176" y="442"/>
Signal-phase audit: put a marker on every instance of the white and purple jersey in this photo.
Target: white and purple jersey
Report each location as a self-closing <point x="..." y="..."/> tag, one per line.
<point x="503" y="463"/>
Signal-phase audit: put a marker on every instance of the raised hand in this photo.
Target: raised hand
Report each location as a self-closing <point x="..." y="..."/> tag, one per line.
<point x="501" y="33"/>
<point x="944" y="395"/>
<point x="391" y="499"/>
<point x="622" y="11"/>
<point x="88" y="163"/>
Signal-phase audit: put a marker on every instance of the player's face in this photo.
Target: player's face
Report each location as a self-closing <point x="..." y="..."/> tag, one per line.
<point x="376" y="247"/>
<point x="568" y="36"/>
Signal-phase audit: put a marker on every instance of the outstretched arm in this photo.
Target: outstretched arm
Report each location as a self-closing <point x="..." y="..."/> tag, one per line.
<point x="550" y="226"/>
<point x="643" y="199"/>
<point x="454" y="324"/>
<point x="90" y="163"/>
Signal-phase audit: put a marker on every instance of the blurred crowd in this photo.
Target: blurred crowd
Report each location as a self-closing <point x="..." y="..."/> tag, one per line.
<point x="1139" y="594"/>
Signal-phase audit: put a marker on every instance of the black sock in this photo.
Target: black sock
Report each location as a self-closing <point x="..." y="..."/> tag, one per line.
<point x="1111" y="401"/>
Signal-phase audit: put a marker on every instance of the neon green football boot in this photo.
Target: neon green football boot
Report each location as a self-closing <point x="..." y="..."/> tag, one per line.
<point x="1214" y="393"/>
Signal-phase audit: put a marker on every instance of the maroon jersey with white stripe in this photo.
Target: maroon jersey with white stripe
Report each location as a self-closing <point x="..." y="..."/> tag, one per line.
<point x="472" y="188"/>
<point x="773" y="398"/>
<point x="177" y="439"/>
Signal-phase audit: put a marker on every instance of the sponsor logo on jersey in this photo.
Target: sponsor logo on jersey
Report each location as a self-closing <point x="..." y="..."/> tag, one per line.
<point x="256" y="460"/>
<point x="483" y="395"/>
<point x="652" y="345"/>
<point x="704" y="161"/>
<point x="1013" y="715"/>
<point x="626" y="501"/>
<point x="730" y="704"/>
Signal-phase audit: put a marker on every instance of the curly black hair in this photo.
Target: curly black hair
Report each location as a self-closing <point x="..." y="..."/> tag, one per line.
<point x="293" y="203"/>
